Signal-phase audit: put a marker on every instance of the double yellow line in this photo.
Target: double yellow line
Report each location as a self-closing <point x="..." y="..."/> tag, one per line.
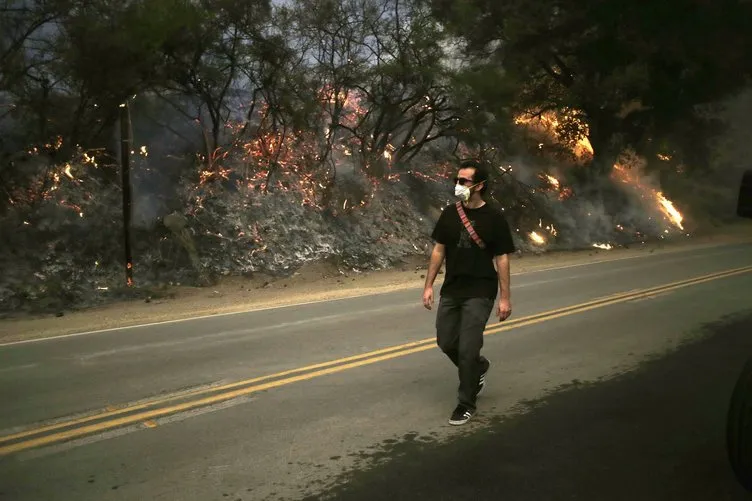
<point x="144" y="412"/>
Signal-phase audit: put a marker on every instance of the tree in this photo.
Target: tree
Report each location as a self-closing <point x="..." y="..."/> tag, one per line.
<point x="26" y="54"/>
<point x="205" y="61"/>
<point x="332" y="38"/>
<point x="379" y="68"/>
<point x="628" y="70"/>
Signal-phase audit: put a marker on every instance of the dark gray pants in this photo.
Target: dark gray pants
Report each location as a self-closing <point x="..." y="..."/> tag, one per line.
<point x="460" y="323"/>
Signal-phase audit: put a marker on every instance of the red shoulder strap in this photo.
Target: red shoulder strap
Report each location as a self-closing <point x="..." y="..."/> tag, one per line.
<point x="469" y="226"/>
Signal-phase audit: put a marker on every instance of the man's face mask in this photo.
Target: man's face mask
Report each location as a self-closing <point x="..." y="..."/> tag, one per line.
<point x="461" y="190"/>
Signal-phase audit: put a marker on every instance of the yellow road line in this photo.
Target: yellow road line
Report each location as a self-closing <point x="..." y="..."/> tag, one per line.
<point x="607" y="301"/>
<point x="325" y="369"/>
<point x="161" y="400"/>
<point x="165" y="399"/>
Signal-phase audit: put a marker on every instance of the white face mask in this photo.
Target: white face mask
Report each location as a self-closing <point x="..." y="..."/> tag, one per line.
<point x="462" y="192"/>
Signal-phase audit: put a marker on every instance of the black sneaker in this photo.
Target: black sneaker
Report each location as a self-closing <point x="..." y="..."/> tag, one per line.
<point x="482" y="382"/>
<point x="461" y="415"/>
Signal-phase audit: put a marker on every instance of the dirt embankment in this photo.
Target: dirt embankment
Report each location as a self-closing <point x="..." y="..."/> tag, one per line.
<point x="317" y="282"/>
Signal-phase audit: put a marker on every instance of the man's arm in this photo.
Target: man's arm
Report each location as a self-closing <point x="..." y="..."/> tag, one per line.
<point x="503" y="247"/>
<point x="502" y="270"/>
<point x="504" y="308"/>
<point x="437" y="258"/>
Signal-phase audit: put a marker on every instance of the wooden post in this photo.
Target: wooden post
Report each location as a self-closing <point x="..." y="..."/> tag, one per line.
<point x="125" y="172"/>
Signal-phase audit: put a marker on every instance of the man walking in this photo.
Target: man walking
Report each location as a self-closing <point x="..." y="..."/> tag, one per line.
<point x="476" y="241"/>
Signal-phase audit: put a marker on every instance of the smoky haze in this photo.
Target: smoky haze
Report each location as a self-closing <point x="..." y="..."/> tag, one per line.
<point x="233" y="229"/>
<point x="343" y="152"/>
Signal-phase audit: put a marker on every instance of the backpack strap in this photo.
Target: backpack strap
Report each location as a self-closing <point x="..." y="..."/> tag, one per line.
<point x="469" y="226"/>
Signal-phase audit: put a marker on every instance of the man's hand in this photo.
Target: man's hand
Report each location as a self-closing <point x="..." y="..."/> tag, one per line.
<point x="504" y="309"/>
<point x="428" y="297"/>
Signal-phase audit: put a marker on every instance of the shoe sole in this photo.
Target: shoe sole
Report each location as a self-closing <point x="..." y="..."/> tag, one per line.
<point x="459" y="423"/>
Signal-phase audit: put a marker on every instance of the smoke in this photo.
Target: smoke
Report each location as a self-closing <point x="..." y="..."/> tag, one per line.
<point x="708" y="191"/>
<point x="733" y="149"/>
<point x="164" y="146"/>
<point x="233" y="226"/>
<point x="568" y="211"/>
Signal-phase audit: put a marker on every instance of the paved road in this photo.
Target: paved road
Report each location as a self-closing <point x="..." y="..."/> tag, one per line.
<point x="218" y="407"/>
<point x="656" y="433"/>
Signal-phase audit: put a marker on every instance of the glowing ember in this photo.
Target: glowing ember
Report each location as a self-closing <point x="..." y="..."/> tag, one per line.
<point x="583" y="146"/>
<point x="88" y="159"/>
<point x="537" y="238"/>
<point x="67" y="171"/>
<point x="218" y="172"/>
<point x="549" y="228"/>
<point x="665" y="158"/>
<point x="603" y="246"/>
<point x="564" y="192"/>
<point x="553" y="181"/>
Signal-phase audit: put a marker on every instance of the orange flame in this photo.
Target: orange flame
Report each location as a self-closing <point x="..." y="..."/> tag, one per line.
<point x="630" y="176"/>
<point x="548" y="122"/>
<point x="537" y="238"/>
<point x="564" y="191"/>
<point x="671" y="211"/>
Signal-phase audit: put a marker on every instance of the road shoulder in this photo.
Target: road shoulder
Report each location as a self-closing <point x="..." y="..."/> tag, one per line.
<point x="312" y="284"/>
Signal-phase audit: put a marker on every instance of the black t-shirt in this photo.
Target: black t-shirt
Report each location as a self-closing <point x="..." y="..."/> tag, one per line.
<point x="470" y="270"/>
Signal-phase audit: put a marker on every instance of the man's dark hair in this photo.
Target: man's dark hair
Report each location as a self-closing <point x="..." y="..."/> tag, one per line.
<point x="480" y="175"/>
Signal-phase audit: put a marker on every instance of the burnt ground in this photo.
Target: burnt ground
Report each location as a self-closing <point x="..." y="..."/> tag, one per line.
<point x="656" y="433"/>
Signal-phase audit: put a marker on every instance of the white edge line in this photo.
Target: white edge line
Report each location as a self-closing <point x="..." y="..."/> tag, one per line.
<point x="319" y="301"/>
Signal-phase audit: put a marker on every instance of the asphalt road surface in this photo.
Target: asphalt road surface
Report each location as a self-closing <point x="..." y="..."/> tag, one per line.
<point x="610" y="381"/>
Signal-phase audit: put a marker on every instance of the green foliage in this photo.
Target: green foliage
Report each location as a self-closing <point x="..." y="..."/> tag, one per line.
<point x="391" y="89"/>
<point x="659" y="59"/>
<point x="630" y="73"/>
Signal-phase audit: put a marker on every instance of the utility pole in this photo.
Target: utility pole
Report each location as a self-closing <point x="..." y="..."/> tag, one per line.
<point x="125" y="172"/>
